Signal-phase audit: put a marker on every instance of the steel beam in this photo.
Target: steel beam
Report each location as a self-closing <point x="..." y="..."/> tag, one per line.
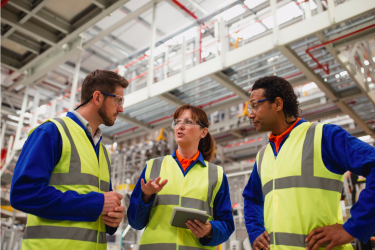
<point x="224" y="81"/>
<point x="28" y="28"/>
<point x="328" y="90"/>
<point x="120" y="23"/>
<point x="345" y="64"/>
<point x="100" y="3"/>
<point x="171" y="99"/>
<point x="146" y="127"/>
<point x="287" y="35"/>
<point x="42" y="15"/>
<point x="57" y="58"/>
<point x="23" y="42"/>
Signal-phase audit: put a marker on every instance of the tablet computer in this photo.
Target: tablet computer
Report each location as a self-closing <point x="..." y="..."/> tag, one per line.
<point x="181" y="215"/>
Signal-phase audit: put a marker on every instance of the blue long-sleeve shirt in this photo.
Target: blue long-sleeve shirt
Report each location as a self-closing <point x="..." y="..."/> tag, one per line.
<point x="341" y="152"/>
<point x="222" y="226"/>
<point x="30" y="192"/>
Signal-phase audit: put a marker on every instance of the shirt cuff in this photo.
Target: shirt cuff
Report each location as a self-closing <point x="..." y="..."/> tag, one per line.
<point x="350" y="228"/>
<point x="212" y="241"/>
<point x="254" y="235"/>
<point x="141" y="204"/>
<point x="110" y="230"/>
<point x="96" y="210"/>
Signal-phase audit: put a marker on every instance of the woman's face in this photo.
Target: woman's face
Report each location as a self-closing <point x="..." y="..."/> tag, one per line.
<point x="188" y="134"/>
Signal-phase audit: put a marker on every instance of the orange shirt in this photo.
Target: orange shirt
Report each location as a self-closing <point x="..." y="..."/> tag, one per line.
<point x="277" y="139"/>
<point x="186" y="163"/>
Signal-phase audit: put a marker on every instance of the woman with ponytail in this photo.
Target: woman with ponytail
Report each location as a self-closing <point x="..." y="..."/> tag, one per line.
<point x="187" y="179"/>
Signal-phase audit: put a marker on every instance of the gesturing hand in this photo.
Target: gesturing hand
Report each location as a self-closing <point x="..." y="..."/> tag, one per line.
<point x="151" y="188"/>
<point x="199" y="229"/>
<point x="333" y="236"/>
<point x="262" y="242"/>
<point x="113" y="219"/>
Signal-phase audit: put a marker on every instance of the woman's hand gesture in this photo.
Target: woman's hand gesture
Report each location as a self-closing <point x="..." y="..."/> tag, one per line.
<point x="151" y="187"/>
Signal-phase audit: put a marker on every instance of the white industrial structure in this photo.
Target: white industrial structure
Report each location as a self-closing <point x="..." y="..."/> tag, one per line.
<point x="202" y="52"/>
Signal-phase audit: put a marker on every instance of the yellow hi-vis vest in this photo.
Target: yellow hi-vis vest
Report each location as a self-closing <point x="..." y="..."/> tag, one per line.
<point x="79" y="170"/>
<point x="196" y="190"/>
<point x="300" y="193"/>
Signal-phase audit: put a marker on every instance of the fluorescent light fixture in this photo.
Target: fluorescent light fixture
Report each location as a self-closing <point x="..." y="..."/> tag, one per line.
<point x="343" y="73"/>
<point x="364" y="138"/>
<point x="231" y="13"/>
<point x="337" y="76"/>
<point x="373" y="59"/>
<point x="309" y="86"/>
<point x="362" y="70"/>
<point x="367" y="62"/>
<point x="15" y="118"/>
<point x="284" y="14"/>
<point x="253" y="3"/>
<point x="369" y="79"/>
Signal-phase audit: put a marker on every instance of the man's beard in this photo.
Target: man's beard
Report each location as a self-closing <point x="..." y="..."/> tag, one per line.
<point x="107" y="120"/>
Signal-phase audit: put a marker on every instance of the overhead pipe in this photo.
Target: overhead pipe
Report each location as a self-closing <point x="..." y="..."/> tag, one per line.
<point x="326" y="70"/>
<point x="3" y="2"/>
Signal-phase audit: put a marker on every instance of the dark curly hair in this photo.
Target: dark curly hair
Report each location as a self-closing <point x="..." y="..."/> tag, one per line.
<point x="275" y="86"/>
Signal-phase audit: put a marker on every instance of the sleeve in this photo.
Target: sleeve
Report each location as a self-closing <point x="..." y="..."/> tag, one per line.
<point x="342" y="152"/>
<point x="110" y="230"/>
<point x="138" y="212"/>
<point x="30" y="191"/>
<point x="223" y="223"/>
<point x="253" y="206"/>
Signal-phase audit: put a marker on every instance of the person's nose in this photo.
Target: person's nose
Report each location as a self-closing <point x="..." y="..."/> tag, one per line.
<point x="120" y="109"/>
<point x="251" y="115"/>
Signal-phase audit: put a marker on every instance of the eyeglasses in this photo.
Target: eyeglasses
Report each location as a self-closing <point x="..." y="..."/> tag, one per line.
<point x="119" y="99"/>
<point x="254" y="106"/>
<point x="187" y="122"/>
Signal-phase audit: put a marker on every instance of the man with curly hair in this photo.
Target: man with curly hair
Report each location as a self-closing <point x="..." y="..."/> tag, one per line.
<point x="292" y="199"/>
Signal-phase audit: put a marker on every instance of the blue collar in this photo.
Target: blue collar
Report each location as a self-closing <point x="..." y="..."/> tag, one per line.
<point x="200" y="158"/>
<point x="75" y="118"/>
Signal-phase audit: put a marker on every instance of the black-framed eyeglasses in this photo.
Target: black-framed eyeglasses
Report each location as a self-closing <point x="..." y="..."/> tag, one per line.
<point x="254" y="106"/>
<point x="119" y="99"/>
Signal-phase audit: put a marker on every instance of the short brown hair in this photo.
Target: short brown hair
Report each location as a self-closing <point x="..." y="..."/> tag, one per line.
<point x="101" y="80"/>
<point x="207" y="144"/>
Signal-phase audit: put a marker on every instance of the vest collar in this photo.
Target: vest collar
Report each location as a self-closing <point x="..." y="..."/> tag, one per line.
<point x="200" y="158"/>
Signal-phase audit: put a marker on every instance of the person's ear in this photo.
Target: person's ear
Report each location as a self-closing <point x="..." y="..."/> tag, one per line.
<point x="279" y="103"/>
<point x="204" y="132"/>
<point x="97" y="98"/>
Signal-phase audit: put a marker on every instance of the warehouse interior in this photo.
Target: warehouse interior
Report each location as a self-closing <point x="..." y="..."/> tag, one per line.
<point x="206" y="53"/>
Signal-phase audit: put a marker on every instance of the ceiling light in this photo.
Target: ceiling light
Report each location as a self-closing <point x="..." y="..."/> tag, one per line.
<point x="367" y="62"/>
<point x="231" y="13"/>
<point x="253" y="3"/>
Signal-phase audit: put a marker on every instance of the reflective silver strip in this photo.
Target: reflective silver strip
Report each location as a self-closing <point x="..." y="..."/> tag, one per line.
<point x="304" y="182"/>
<point x="167" y="246"/>
<point x="167" y="199"/>
<point x="288" y="239"/>
<point x="259" y="164"/>
<point x="212" y="182"/>
<point x="196" y="204"/>
<point x="185" y="201"/>
<point x="159" y="246"/>
<point x="75" y="177"/>
<point x="307" y="178"/>
<point x="156" y="168"/>
<point x="308" y="152"/>
<point x="64" y="233"/>
<point x="104" y="186"/>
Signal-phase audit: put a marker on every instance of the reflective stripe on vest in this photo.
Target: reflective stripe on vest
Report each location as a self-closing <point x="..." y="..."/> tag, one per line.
<point x="80" y="170"/>
<point x="185" y="201"/>
<point x="67" y="233"/>
<point x="307" y="178"/>
<point x="75" y="175"/>
<point x="195" y="190"/>
<point x="167" y="246"/>
<point x="300" y="193"/>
